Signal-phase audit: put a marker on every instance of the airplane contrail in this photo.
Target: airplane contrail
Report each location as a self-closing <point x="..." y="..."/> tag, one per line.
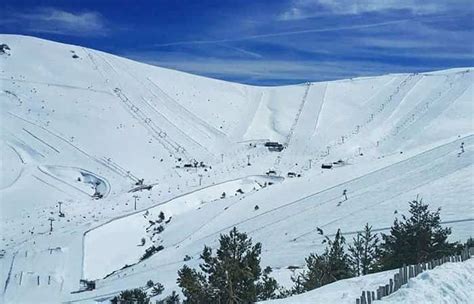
<point x="287" y="33"/>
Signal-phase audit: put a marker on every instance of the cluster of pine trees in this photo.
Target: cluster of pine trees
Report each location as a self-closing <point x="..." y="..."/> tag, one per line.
<point x="414" y="239"/>
<point x="233" y="273"/>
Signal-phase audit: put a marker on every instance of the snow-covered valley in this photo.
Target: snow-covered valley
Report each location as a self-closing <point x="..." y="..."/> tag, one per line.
<point x="116" y="157"/>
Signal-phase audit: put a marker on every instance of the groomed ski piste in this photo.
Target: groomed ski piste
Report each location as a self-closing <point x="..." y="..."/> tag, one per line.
<point x="123" y="148"/>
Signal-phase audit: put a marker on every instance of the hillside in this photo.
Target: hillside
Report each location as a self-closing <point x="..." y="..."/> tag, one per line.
<point x="82" y="127"/>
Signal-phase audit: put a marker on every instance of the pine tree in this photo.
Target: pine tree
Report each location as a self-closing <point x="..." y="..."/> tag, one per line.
<point x="356" y="251"/>
<point x="173" y="298"/>
<point x="136" y="296"/>
<point x="156" y="289"/>
<point x="231" y="276"/>
<point x="266" y="289"/>
<point x="416" y="239"/>
<point x="364" y="252"/>
<point x="298" y="286"/>
<point x="328" y="267"/>
<point x="194" y="286"/>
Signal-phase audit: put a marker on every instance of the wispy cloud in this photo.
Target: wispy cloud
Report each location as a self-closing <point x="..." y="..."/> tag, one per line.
<point x="269" y="42"/>
<point x="56" y="21"/>
<point x="301" y="9"/>
<point x="272" y="71"/>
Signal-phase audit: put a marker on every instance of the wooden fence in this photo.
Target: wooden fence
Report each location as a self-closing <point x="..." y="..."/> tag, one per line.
<point x="407" y="272"/>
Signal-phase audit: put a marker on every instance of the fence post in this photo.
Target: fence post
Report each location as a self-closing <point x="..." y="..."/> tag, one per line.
<point x="357" y="301"/>
<point x="362" y="298"/>
<point x="369" y="297"/>
<point x="405" y="274"/>
<point x="391" y="286"/>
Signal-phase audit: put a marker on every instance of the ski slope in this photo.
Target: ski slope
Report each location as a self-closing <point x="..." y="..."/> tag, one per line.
<point x="81" y="133"/>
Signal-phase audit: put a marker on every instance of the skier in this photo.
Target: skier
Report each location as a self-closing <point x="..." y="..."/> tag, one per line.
<point x="462" y="149"/>
<point x="344" y="194"/>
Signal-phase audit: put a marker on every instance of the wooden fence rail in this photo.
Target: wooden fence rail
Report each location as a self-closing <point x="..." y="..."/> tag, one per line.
<point x="407" y="272"/>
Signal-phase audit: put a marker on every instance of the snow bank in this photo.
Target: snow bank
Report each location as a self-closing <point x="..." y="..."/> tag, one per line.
<point x="340" y="292"/>
<point x="448" y="283"/>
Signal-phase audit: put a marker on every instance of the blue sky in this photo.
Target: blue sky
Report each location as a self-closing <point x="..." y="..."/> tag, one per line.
<point x="261" y="42"/>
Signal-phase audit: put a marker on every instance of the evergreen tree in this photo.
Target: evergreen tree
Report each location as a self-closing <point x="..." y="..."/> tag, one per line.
<point x="328" y="267"/>
<point x="156" y="289"/>
<point x="266" y="289"/>
<point x="298" y="286"/>
<point x="416" y="239"/>
<point x="231" y="276"/>
<point x="131" y="296"/>
<point x="356" y="251"/>
<point x="194" y="286"/>
<point x="364" y="252"/>
<point x="173" y="298"/>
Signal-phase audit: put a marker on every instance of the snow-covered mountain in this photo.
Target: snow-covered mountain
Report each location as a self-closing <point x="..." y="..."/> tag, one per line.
<point x="80" y="128"/>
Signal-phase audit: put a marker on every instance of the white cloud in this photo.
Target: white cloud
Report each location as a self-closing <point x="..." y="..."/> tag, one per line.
<point x="302" y="9"/>
<point x="270" y="71"/>
<point x="52" y="20"/>
<point x="357" y="7"/>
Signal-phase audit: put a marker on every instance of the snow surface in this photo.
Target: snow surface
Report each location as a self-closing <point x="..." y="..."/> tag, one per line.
<point x="71" y="127"/>
<point x="448" y="283"/>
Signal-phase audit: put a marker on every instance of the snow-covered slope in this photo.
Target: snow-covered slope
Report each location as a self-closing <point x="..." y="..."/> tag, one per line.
<point x="81" y="127"/>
